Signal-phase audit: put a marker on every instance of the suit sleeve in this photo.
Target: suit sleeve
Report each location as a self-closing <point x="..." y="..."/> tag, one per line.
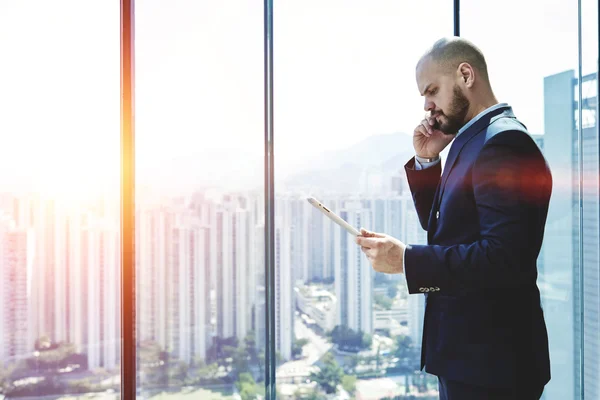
<point x="511" y="187"/>
<point x="423" y="184"/>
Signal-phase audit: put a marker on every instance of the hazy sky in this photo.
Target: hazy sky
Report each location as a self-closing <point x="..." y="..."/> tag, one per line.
<point x="344" y="70"/>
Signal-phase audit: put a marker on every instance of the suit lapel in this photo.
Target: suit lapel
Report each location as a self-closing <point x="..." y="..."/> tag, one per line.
<point x="457" y="146"/>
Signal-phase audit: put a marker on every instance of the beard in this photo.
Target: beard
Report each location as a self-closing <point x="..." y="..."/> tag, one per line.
<point x="451" y="122"/>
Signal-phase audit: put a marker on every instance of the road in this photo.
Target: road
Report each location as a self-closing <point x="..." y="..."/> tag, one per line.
<point x="315" y="349"/>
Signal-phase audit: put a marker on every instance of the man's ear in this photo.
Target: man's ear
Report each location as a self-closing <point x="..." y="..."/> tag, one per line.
<point x="467" y="74"/>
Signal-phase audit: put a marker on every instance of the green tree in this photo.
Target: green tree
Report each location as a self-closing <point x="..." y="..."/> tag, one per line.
<point x="246" y="386"/>
<point x="347" y="338"/>
<point x="261" y="362"/>
<point x="179" y="371"/>
<point x="228" y="352"/>
<point x="206" y="372"/>
<point x="403" y="347"/>
<point x="312" y="395"/>
<point x="241" y="360"/>
<point x="297" y="346"/>
<point x="250" y="343"/>
<point x="329" y="375"/>
<point x="366" y="340"/>
<point x="352" y="361"/>
<point x="383" y="301"/>
<point x="4" y="379"/>
<point x="154" y="362"/>
<point x="349" y="383"/>
<point x="378" y="358"/>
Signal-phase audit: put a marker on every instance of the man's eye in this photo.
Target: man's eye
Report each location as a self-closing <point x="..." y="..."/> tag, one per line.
<point x="433" y="91"/>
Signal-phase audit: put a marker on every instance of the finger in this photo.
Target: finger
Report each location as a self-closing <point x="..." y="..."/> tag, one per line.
<point x="428" y="129"/>
<point x="367" y="241"/>
<point x="367" y="233"/>
<point x="421" y="131"/>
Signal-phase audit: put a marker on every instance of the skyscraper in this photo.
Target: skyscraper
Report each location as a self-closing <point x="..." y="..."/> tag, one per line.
<point x="560" y="282"/>
<point x="300" y="216"/>
<point x="233" y="250"/>
<point x="15" y="256"/>
<point x="174" y="280"/>
<point x="414" y="234"/>
<point x="353" y="272"/>
<point x="100" y="260"/>
<point x="284" y="288"/>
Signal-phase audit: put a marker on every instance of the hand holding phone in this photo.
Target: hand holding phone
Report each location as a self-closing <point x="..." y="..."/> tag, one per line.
<point x="428" y="139"/>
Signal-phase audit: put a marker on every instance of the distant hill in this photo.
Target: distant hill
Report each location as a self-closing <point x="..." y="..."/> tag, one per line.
<point x="339" y="170"/>
<point x="343" y="170"/>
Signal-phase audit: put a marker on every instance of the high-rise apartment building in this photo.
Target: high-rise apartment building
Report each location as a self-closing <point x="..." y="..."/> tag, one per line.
<point x="563" y="292"/>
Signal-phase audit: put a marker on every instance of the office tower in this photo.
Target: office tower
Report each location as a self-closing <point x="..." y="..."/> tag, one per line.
<point x="74" y="280"/>
<point x="321" y="238"/>
<point x="46" y="289"/>
<point x="259" y="326"/>
<point x="173" y="263"/>
<point x="414" y="234"/>
<point x="154" y="249"/>
<point x="353" y="272"/>
<point x="15" y="256"/>
<point x="284" y="288"/>
<point x="560" y="281"/>
<point x="242" y="273"/>
<point x="260" y="315"/>
<point x="386" y="211"/>
<point x="319" y="243"/>
<point x="188" y="290"/>
<point x="77" y="282"/>
<point x="231" y="246"/>
<point x="300" y="213"/>
<point x="100" y="259"/>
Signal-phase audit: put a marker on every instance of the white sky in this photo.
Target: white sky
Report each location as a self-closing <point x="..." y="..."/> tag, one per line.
<point x="344" y="70"/>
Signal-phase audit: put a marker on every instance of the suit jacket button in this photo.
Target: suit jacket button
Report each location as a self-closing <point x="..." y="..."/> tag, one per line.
<point x="421" y="289"/>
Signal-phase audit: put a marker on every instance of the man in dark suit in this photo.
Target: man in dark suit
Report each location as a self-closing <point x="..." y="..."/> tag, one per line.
<point x="484" y="334"/>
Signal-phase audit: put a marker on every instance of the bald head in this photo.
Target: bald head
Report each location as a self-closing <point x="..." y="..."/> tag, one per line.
<point x="452" y="77"/>
<point x="449" y="53"/>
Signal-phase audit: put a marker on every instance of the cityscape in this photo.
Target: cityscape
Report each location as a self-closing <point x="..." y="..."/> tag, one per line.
<point x="341" y="329"/>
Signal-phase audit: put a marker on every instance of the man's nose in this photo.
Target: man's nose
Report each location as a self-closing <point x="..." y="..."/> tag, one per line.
<point x="429" y="106"/>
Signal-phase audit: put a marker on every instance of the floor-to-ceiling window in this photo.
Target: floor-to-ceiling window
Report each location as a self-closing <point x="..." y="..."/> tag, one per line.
<point x="536" y="65"/>
<point x="59" y="198"/>
<point x="210" y="301"/>
<point x="199" y="198"/>
<point x="346" y="104"/>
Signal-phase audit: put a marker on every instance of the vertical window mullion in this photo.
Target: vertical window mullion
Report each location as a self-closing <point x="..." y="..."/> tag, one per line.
<point x="128" y="341"/>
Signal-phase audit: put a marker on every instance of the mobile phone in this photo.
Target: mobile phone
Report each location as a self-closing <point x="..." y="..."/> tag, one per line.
<point x="333" y="216"/>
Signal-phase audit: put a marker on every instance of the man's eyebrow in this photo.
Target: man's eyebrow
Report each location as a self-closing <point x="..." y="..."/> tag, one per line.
<point x="426" y="89"/>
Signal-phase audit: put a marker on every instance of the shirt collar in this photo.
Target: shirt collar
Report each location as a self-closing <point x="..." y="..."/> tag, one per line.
<point x="480" y="115"/>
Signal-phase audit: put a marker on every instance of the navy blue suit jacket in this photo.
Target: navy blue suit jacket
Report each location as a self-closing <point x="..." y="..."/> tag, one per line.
<point x="485" y="218"/>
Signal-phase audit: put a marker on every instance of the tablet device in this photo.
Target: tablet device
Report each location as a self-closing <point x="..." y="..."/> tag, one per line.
<point x="333" y="216"/>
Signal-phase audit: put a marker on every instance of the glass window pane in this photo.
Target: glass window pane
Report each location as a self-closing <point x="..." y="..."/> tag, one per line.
<point x="537" y="75"/>
<point x="199" y="198"/>
<point x="59" y="201"/>
<point x="346" y="105"/>
<point x="591" y="195"/>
